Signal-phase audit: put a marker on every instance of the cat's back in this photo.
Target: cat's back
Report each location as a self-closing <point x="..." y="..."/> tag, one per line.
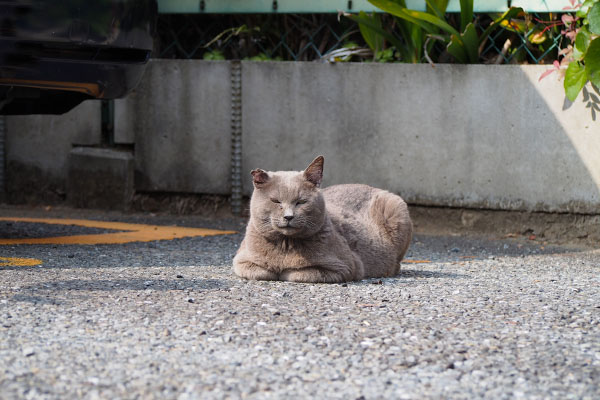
<point x="351" y="198"/>
<point x="348" y="208"/>
<point x="375" y="223"/>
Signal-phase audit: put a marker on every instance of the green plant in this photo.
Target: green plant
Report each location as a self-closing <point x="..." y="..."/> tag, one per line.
<point x="410" y="48"/>
<point x="581" y="58"/>
<point x="416" y="28"/>
<point x="213" y="55"/>
<point x="463" y="43"/>
<point x="386" y="55"/>
<point x="584" y="64"/>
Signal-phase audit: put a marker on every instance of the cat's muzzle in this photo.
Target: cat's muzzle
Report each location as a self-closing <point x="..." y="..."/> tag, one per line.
<point x="286" y="227"/>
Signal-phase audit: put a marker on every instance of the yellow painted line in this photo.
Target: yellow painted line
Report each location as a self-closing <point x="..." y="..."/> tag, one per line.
<point x="132" y="232"/>
<point x="18" y="262"/>
<point x="416" y="261"/>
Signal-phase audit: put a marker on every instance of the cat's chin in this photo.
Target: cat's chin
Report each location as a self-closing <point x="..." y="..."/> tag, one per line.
<point x="288" y="230"/>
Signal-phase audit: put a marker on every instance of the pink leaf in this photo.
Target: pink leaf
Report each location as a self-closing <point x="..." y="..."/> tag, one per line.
<point x="566" y="61"/>
<point x="573" y="5"/>
<point x="545" y="74"/>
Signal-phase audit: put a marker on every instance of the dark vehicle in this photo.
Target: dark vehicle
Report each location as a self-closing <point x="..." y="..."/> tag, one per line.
<point x="55" y="54"/>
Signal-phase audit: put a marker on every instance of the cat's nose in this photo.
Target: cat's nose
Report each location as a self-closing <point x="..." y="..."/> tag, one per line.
<point x="288" y="217"/>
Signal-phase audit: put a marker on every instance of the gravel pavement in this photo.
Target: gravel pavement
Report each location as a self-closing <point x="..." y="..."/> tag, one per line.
<point x="479" y="318"/>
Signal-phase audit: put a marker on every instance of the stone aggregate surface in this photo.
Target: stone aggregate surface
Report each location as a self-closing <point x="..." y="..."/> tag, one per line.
<point x="481" y="318"/>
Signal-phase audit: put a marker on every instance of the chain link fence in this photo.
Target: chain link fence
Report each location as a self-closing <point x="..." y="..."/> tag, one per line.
<point x="287" y="37"/>
<point x="534" y="39"/>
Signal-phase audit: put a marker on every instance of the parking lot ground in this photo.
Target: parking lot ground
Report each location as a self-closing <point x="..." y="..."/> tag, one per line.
<point x="470" y="316"/>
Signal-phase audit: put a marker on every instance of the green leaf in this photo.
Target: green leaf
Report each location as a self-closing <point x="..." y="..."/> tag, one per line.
<point x="433" y="20"/>
<point x="592" y="62"/>
<point x="411" y="34"/>
<point x="594" y="19"/>
<point x="386" y="55"/>
<point x="457" y="49"/>
<point x="432" y="8"/>
<point x="373" y="38"/>
<point x="537" y="36"/>
<point x="582" y="40"/>
<point x="585" y="7"/>
<point x="414" y="21"/>
<point x="376" y="28"/>
<point x="471" y="42"/>
<point x="466" y="13"/>
<point x="575" y="79"/>
<point x="441" y="5"/>
<point x="417" y="17"/>
<point x="577" y="55"/>
<point x="417" y="37"/>
<point x="213" y="55"/>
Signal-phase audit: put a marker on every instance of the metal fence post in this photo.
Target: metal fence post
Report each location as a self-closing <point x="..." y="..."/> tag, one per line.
<point x="3" y="193"/>
<point x="236" y="137"/>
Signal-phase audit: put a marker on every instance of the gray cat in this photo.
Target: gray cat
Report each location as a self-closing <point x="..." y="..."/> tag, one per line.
<point x="298" y="232"/>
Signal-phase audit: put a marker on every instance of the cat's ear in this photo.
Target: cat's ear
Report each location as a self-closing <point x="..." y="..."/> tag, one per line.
<point x="314" y="172"/>
<point x="259" y="177"/>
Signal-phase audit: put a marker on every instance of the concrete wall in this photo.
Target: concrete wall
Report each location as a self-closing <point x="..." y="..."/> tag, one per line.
<point x="179" y="120"/>
<point x="38" y="147"/>
<point x="453" y="135"/>
<point x="458" y="135"/>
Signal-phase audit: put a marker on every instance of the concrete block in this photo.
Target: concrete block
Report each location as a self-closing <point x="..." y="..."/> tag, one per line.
<point x="455" y="135"/>
<point x="125" y="120"/>
<point x="180" y="115"/>
<point x="37" y="151"/>
<point x="100" y="178"/>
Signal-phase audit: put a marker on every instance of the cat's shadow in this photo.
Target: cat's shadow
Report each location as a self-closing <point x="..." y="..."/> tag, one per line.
<point x="415" y="273"/>
<point x="410" y="275"/>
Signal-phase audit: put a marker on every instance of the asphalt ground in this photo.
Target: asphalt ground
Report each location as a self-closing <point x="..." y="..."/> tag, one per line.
<point x="469" y="316"/>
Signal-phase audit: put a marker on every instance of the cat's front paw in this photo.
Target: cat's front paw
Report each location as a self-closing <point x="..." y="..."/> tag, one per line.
<point x="312" y="275"/>
<point x="248" y="270"/>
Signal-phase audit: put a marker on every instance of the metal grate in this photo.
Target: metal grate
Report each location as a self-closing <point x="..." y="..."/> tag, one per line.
<point x="307" y="37"/>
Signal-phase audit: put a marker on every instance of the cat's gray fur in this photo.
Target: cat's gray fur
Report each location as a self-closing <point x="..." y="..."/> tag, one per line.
<point x="338" y="234"/>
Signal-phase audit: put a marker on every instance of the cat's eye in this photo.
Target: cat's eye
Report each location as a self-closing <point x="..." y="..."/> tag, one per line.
<point x="275" y="201"/>
<point x="301" y="201"/>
